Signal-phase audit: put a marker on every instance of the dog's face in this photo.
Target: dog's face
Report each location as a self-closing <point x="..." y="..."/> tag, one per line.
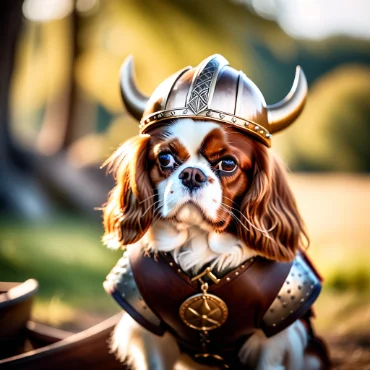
<point x="199" y="171"/>
<point x="205" y="174"/>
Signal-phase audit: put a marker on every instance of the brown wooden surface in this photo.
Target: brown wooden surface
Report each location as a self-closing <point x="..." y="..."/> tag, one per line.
<point x="85" y="350"/>
<point x="15" y="309"/>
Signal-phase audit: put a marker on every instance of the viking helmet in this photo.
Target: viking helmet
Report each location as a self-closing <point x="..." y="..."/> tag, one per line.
<point x="213" y="91"/>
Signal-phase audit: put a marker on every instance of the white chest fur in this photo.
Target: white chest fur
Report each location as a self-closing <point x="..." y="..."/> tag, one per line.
<point x="193" y="247"/>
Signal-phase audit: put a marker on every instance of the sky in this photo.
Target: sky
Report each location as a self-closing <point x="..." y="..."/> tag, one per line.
<point x="317" y="19"/>
<point x="307" y="19"/>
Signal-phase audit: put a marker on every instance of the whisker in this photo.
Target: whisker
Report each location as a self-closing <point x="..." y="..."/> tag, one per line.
<point x="264" y="232"/>
<point x="158" y="201"/>
<point x="229" y="199"/>
<point x="156" y="218"/>
<point x="249" y="223"/>
<point x="152" y="196"/>
<point x="235" y="218"/>
<point x="270" y="229"/>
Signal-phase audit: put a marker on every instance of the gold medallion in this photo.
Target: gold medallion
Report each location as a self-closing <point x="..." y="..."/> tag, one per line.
<point x="203" y="312"/>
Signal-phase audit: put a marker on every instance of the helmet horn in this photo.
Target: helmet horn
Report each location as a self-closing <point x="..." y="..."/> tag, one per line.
<point x="133" y="99"/>
<point x="282" y="114"/>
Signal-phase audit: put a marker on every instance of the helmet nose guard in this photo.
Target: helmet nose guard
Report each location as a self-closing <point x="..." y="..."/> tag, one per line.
<point x="213" y="91"/>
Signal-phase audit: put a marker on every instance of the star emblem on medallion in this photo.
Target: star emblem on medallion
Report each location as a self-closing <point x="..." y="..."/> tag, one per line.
<point x="204" y="312"/>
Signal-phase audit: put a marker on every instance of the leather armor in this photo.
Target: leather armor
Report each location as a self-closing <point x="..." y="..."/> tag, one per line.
<point x="259" y="294"/>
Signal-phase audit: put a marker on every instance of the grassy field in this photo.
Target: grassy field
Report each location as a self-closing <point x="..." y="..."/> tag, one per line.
<point x="336" y="209"/>
<point x="67" y="258"/>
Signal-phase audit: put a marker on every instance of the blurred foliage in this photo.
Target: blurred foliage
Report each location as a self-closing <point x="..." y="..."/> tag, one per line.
<point x="67" y="259"/>
<point x="166" y="35"/>
<point x="334" y="130"/>
<point x="357" y="280"/>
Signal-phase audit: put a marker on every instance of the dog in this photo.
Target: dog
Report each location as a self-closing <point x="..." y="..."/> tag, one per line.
<point x="201" y="202"/>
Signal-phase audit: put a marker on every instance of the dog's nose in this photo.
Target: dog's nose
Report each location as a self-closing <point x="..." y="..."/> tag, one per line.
<point x="192" y="177"/>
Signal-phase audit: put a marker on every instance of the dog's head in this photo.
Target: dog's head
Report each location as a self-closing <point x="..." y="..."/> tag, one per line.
<point x="202" y="161"/>
<point x="205" y="174"/>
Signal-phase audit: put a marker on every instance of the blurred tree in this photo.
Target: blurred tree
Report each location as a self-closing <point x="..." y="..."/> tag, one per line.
<point x="333" y="133"/>
<point x="18" y="190"/>
<point x="10" y="23"/>
<point x="59" y="124"/>
<point x="66" y="107"/>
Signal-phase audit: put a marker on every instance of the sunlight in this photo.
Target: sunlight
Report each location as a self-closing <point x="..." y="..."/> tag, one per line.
<point x="46" y="10"/>
<point x="316" y="19"/>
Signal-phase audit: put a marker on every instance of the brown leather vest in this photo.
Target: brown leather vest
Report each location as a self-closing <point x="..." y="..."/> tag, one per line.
<point x="259" y="294"/>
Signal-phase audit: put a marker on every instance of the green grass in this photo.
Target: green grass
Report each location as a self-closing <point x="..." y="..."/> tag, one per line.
<point x="356" y="279"/>
<point x="68" y="260"/>
<point x="344" y="304"/>
<point x="341" y="313"/>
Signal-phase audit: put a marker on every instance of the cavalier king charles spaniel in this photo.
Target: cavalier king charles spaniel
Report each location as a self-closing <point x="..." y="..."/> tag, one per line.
<point x="208" y="195"/>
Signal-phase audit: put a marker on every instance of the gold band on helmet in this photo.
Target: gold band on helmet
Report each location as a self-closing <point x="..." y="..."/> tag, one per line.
<point x="250" y="127"/>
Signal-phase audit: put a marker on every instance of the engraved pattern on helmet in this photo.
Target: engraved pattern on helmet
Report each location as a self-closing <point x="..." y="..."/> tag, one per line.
<point x="123" y="279"/>
<point x="298" y="287"/>
<point x="200" y="93"/>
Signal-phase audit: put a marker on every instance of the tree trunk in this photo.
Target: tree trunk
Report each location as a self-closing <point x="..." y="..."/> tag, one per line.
<point x="10" y="26"/>
<point x="20" y="192"/>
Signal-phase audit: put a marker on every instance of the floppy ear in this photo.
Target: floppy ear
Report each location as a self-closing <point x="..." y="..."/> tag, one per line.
<point x="275" y="227"/>
<point x="128" y="212"/>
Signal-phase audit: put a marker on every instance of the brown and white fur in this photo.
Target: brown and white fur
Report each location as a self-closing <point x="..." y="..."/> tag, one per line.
<point x="235" y="213"/>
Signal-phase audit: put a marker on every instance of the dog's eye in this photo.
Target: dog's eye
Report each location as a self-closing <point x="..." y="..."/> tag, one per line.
<point x="226" y="165"/>
<point x="166" y="160"/>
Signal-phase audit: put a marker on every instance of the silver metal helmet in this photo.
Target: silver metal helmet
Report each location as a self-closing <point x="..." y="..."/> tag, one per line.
<point x="213" y="91"/>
